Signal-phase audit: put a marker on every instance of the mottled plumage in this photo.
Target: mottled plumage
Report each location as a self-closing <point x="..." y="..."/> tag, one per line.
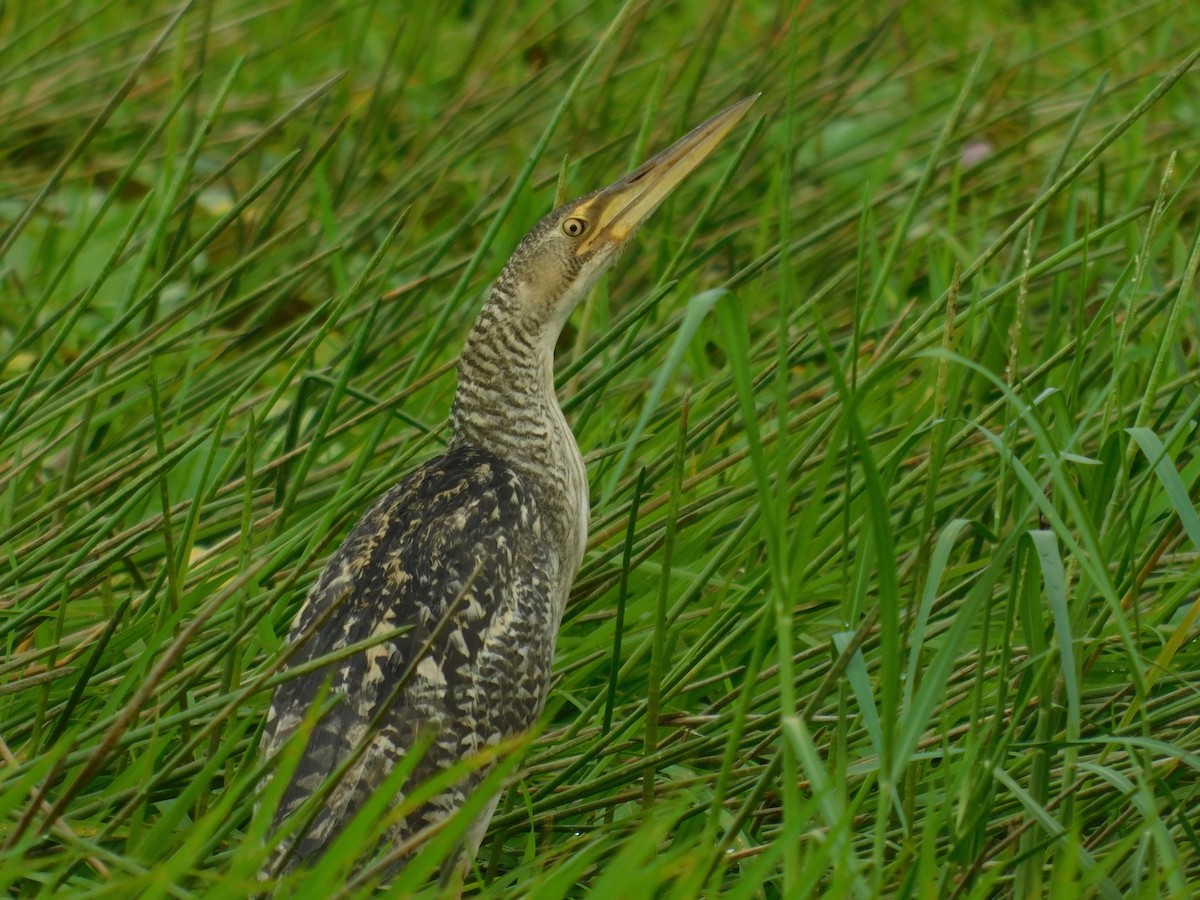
<point x="464" y="530"/>
<point x="474" y="553"/>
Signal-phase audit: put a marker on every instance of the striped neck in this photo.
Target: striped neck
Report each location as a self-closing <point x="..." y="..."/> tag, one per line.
<point x="505" y="399"/>
<point x="506" y="402"/>
<point x="506" y="405"/>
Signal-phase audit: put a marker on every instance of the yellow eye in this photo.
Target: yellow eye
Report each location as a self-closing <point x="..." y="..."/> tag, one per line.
<point x="573" y="227"/>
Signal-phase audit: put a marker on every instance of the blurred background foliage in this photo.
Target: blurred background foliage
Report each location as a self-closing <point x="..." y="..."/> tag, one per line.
<point x="893" y="583"/>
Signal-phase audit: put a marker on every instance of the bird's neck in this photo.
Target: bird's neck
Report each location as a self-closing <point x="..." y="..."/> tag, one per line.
<point x="506" y="405"/>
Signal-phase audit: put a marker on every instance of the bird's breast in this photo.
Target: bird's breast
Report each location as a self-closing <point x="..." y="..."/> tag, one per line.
<point x="566" y="506"/>
<point x="576" y="493"/>
<point x="579" y="487"/>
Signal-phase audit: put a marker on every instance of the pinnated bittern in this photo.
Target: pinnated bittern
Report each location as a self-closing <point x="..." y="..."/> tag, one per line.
<point x="476" y="551"/>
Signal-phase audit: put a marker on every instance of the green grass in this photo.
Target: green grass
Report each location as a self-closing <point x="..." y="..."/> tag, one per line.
<point x="894" y="580"/>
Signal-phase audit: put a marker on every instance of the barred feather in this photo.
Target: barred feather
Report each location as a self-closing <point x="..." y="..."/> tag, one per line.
<point x="466" y="530"/>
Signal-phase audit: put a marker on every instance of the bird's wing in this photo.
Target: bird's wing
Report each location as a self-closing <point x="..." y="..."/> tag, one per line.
<point x="450" y="553"/>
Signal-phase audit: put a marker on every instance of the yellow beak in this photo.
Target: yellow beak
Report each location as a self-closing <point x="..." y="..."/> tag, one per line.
<point x="620" y="208"/>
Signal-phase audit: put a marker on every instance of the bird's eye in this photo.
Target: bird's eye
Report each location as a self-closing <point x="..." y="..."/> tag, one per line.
<point x="574" y="227"/>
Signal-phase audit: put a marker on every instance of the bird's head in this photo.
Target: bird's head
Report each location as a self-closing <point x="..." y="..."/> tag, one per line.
<point x="565" y="254"/>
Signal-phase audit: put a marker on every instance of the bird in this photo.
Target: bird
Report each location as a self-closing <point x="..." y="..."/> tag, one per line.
<point x="462" y="570"/>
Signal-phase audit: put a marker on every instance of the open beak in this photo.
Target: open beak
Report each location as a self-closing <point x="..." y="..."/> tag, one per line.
<point x="621" y="207"/>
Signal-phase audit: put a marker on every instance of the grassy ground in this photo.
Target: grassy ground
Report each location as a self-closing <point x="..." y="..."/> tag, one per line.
<point x="894" y="579"/>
